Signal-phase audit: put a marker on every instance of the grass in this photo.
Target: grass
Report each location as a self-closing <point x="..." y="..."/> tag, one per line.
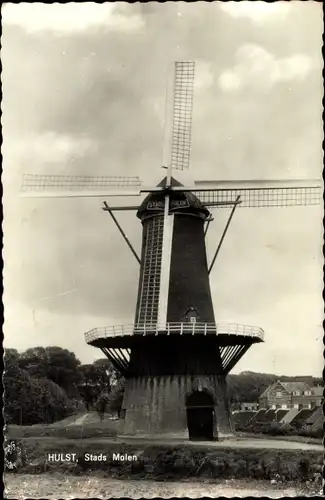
<point x="91" y="428"/>
<point x="298" y="439"/>
<point x="159" y="461"/>
<point x="173" y="462"/>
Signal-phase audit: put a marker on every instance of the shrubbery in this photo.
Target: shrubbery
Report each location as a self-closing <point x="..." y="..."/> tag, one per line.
<point x="31" y="401"/>
<point x="271" y="428"/>
<point x="277" y="429"/>
<point x="111" y="401"/>
<point x="41" y="381"/>
<point x="17" y="395"/>
<point x="15" y="455"/>
<point x="314" y="433"/>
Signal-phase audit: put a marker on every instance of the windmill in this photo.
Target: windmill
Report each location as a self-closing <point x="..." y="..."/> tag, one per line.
<point x="175" y="357"/>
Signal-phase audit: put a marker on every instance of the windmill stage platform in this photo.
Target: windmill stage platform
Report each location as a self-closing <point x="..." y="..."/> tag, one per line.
<point x="117" y="341"/>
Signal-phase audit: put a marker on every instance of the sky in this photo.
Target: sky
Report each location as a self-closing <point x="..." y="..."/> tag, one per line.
<point x="84" y="89"/>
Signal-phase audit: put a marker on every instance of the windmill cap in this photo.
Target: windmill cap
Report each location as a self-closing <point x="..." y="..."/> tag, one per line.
<point x="185" y="201"/>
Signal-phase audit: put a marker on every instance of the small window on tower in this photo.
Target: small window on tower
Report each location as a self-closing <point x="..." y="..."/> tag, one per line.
<point x="191" y="315"/>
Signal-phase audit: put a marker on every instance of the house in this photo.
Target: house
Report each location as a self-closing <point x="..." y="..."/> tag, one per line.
<point x="286" y="395"/>
<point x="248" y="406"/>
<point x="315" y="421"/>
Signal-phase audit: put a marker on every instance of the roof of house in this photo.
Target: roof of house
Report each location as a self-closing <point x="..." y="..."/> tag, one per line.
<point x="242" y="417"/>
<point x="318" y="390"/>
<point x="315" y="415"/>
<point x="318" y="424"/>
<point x="257" y="415"/>
<point x="264" y="393"/>
<point x="295" y="386"/>
<point x="279" y="414"/>
<point x="301" y="416"/>
<point x="289" y="416"/>
<point x="290" y="387"/>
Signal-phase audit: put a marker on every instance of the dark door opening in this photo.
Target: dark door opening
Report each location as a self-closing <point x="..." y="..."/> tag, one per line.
<point x="200" y="413"/>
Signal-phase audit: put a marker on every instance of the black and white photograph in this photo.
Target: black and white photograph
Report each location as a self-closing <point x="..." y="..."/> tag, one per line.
<point x="163" y="249"/>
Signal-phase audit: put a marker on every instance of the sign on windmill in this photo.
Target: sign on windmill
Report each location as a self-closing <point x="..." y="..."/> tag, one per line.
<point x="175" y="357"/>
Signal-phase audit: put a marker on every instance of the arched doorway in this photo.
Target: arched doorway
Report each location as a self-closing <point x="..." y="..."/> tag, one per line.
<point x="200" y="416"/>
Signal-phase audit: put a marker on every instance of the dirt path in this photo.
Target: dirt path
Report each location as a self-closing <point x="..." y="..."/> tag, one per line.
<point x="228" y="443"/>
<point x="51" y="486"/>
<point x="79" y="420"/>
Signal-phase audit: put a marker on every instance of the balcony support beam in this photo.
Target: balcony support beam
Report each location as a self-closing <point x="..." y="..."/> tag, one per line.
<point x="109" y="210"/>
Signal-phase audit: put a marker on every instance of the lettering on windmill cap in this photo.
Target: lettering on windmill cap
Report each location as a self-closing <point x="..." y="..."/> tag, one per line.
<point x="179" y="204"/>
<point x="174" y="204"/>
<point x="155" y="205"/>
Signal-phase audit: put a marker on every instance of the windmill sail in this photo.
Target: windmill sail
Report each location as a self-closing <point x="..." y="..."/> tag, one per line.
<point x="180" y="157"/>
<point x="62" y="186"/>
<point x="182" y="114"/>
<point x="165" y="263"/>
<point x="267" y="197"/>
<point x="259" y="193"/>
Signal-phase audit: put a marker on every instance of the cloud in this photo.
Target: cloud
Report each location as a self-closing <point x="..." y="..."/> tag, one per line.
<point x="257" y="11"/>
<point x="53" y="147"/>
<point x="69" y="17"/>
<point x="259" y="69"/>
<point x="43" y="328"/>
<point x="203" y="76"/>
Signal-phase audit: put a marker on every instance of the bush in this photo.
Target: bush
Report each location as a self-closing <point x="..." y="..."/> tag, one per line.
<point x="18" y="396"/>
<point x="101" y="405"/>
<point x="57" y="406"/>
<point x="28" y="400"/>
<point x="277" y="429"/>
<point x="115" y="398"/>
<point x="15" y="455"/>
<point x="312" y="433"/>
<point x="271" y="428"/>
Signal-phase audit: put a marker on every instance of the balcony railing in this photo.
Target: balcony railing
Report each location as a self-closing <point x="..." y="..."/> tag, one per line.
<point x="175" y="329"/>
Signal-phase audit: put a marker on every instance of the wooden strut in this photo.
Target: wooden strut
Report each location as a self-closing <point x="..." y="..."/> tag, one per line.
<point x="207" y="226"/>
<point x="109" y="210"/>
<point x="224" y="233"/>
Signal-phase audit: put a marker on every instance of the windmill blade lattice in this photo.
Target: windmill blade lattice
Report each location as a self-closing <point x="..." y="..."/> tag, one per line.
<point x="262" y="197"/>
<point x="43" y="184"/>
<point x="182" y="114"/>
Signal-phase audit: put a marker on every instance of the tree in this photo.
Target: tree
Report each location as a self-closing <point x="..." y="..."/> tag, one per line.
<point x="115" y="398"/>
<point x="57" y="406"/>
<point x="11" y="359"/>
<point x="11" y="356"/>
<point x="63" y="368"/>
<point x="28" y="400"/>
<point x="17" y="394"/>
<point x="54" y="363"/>
<point x="35" y="361"/>
<point x="90" y="386"/>
<point x="97" y="379"/>
<point x="106" y="372"/>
